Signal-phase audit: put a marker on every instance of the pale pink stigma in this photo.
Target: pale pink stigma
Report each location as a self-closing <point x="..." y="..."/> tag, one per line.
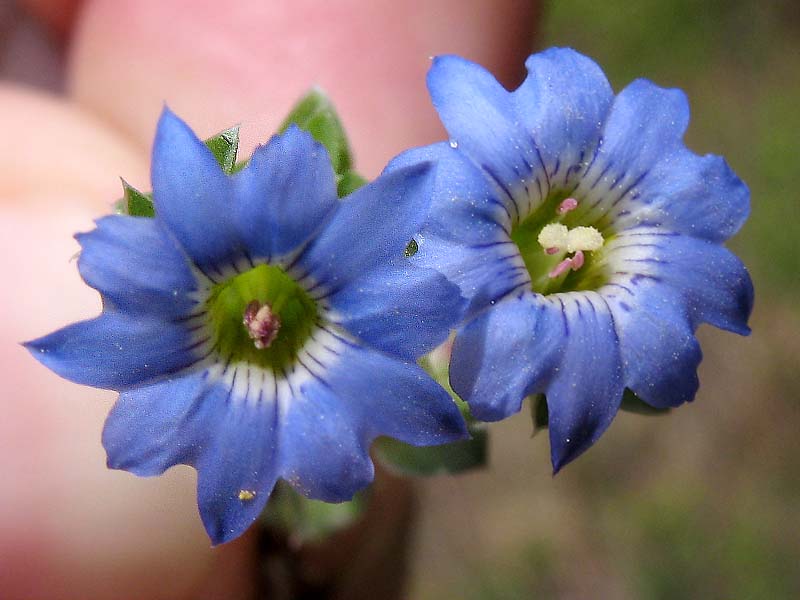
<point x="552" y="250"/>
<point x="567" y="205"/>
<point x="261" y="323"/>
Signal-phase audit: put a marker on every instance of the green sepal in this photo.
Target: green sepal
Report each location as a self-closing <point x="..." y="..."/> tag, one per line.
<point x="225" y="146"/>
<point x="315" y="114"/>
<point x="135" y="203"/>
<point x="348" y="183"/>
<point x="540" y="415"/>
<point x="633" y="404"/>
<point x="630" y="403"/>
<point x="455" y="457"/>
<point x="310" y="520"/>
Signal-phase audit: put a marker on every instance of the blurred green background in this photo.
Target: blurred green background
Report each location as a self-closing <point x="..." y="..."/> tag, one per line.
<point x="703" y="502"/>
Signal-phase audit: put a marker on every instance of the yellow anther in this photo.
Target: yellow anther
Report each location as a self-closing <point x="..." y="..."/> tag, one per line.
<point x="554" y="235"/>
<point x="246" y="495"/>
<point x="584" y="238"/>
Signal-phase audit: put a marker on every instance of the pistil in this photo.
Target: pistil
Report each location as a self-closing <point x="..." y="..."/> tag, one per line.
<point x="261" y="323"/>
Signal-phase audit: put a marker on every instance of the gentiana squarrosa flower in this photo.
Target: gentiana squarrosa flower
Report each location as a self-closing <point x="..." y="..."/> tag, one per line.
<point x="587" y="238"/>
<point x="259" y="327"/>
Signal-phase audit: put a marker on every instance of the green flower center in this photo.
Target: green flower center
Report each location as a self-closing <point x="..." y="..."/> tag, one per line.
<point x="560" y="252"/>
<point x="261" y="317"/>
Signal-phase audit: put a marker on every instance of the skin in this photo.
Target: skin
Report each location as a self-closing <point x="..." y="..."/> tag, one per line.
<point x="68" y="526"/>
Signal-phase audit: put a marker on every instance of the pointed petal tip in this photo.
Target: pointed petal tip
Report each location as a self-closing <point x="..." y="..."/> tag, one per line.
<point x="38" y="348"/>
<point x="559" y="460"/>
<point x="167" y="113"/>
<point x="168" y="120"/>
<point x="42" y="350"/>
<point x="219" y="537"/>
<point x="172" y="130"/>
<point x="224" y="528"/>
<point x="449" y="66"/>
<point x="220" y="533"/>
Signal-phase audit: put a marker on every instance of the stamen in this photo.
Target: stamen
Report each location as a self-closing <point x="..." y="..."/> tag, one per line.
<point x="574" y="263"/>
<point x="261" y="323"/>
<point x="584" y="238"/>
<point x="567" y="205"/>
<point x="557" y="237"/>
<point x="560" y="268"/>
<point x="577" y="260"/>
<point x="553" y="237"/>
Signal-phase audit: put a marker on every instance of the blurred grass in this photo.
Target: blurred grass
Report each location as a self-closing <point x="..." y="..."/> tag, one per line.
<point x="702" y="503"/>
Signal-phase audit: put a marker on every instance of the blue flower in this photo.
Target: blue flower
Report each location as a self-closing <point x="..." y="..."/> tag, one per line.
<point x="258" y="327"/>
<point x="586" y="237"/>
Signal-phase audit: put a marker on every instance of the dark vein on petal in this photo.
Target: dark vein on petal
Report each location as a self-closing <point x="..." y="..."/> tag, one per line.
<point x="629" y="188"/>
<point x="502" y="187"/>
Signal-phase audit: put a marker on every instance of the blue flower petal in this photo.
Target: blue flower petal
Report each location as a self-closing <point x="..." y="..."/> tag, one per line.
<point x="227" y="433"/>
<point x="562" y="103"/>
<point x="116" y="350"/>
<point x="466" y="234"/>
<point x="239" y="467"/>
<point x="165" y="423"/>
<point x="399" y="308"/>
<point x="464" y="206"/>
<point x="191" y="193"/>
<point x="645" y="125"/>
<point x="715" y="285"/>
<point x="361" y="395"/>
<point x="137" y="267"/>
<point x="373" y="225"/>
<point x="644" y="172"/>
<point x="584" y="393"/>
<point x="564" y="346"/>
<point x="395" y="398"/>
<point x="324" y="446"/>
<point x="505" y="354"/>
<point x="284" y="194"/>
<point x="482" y="121"/>
<point x="698" y="196"/>
<point x="659" y="351"/>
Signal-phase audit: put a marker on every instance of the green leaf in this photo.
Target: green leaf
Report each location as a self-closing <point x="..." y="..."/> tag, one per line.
<point x="633" y="404"/>
<point x="315" y="114"/>
<point x="135" y="203"/>
<point x="225" y="146"/>
<point x="310" y="520"/>
<point x="455" y="457"/>
<point x="349" y="183"/>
